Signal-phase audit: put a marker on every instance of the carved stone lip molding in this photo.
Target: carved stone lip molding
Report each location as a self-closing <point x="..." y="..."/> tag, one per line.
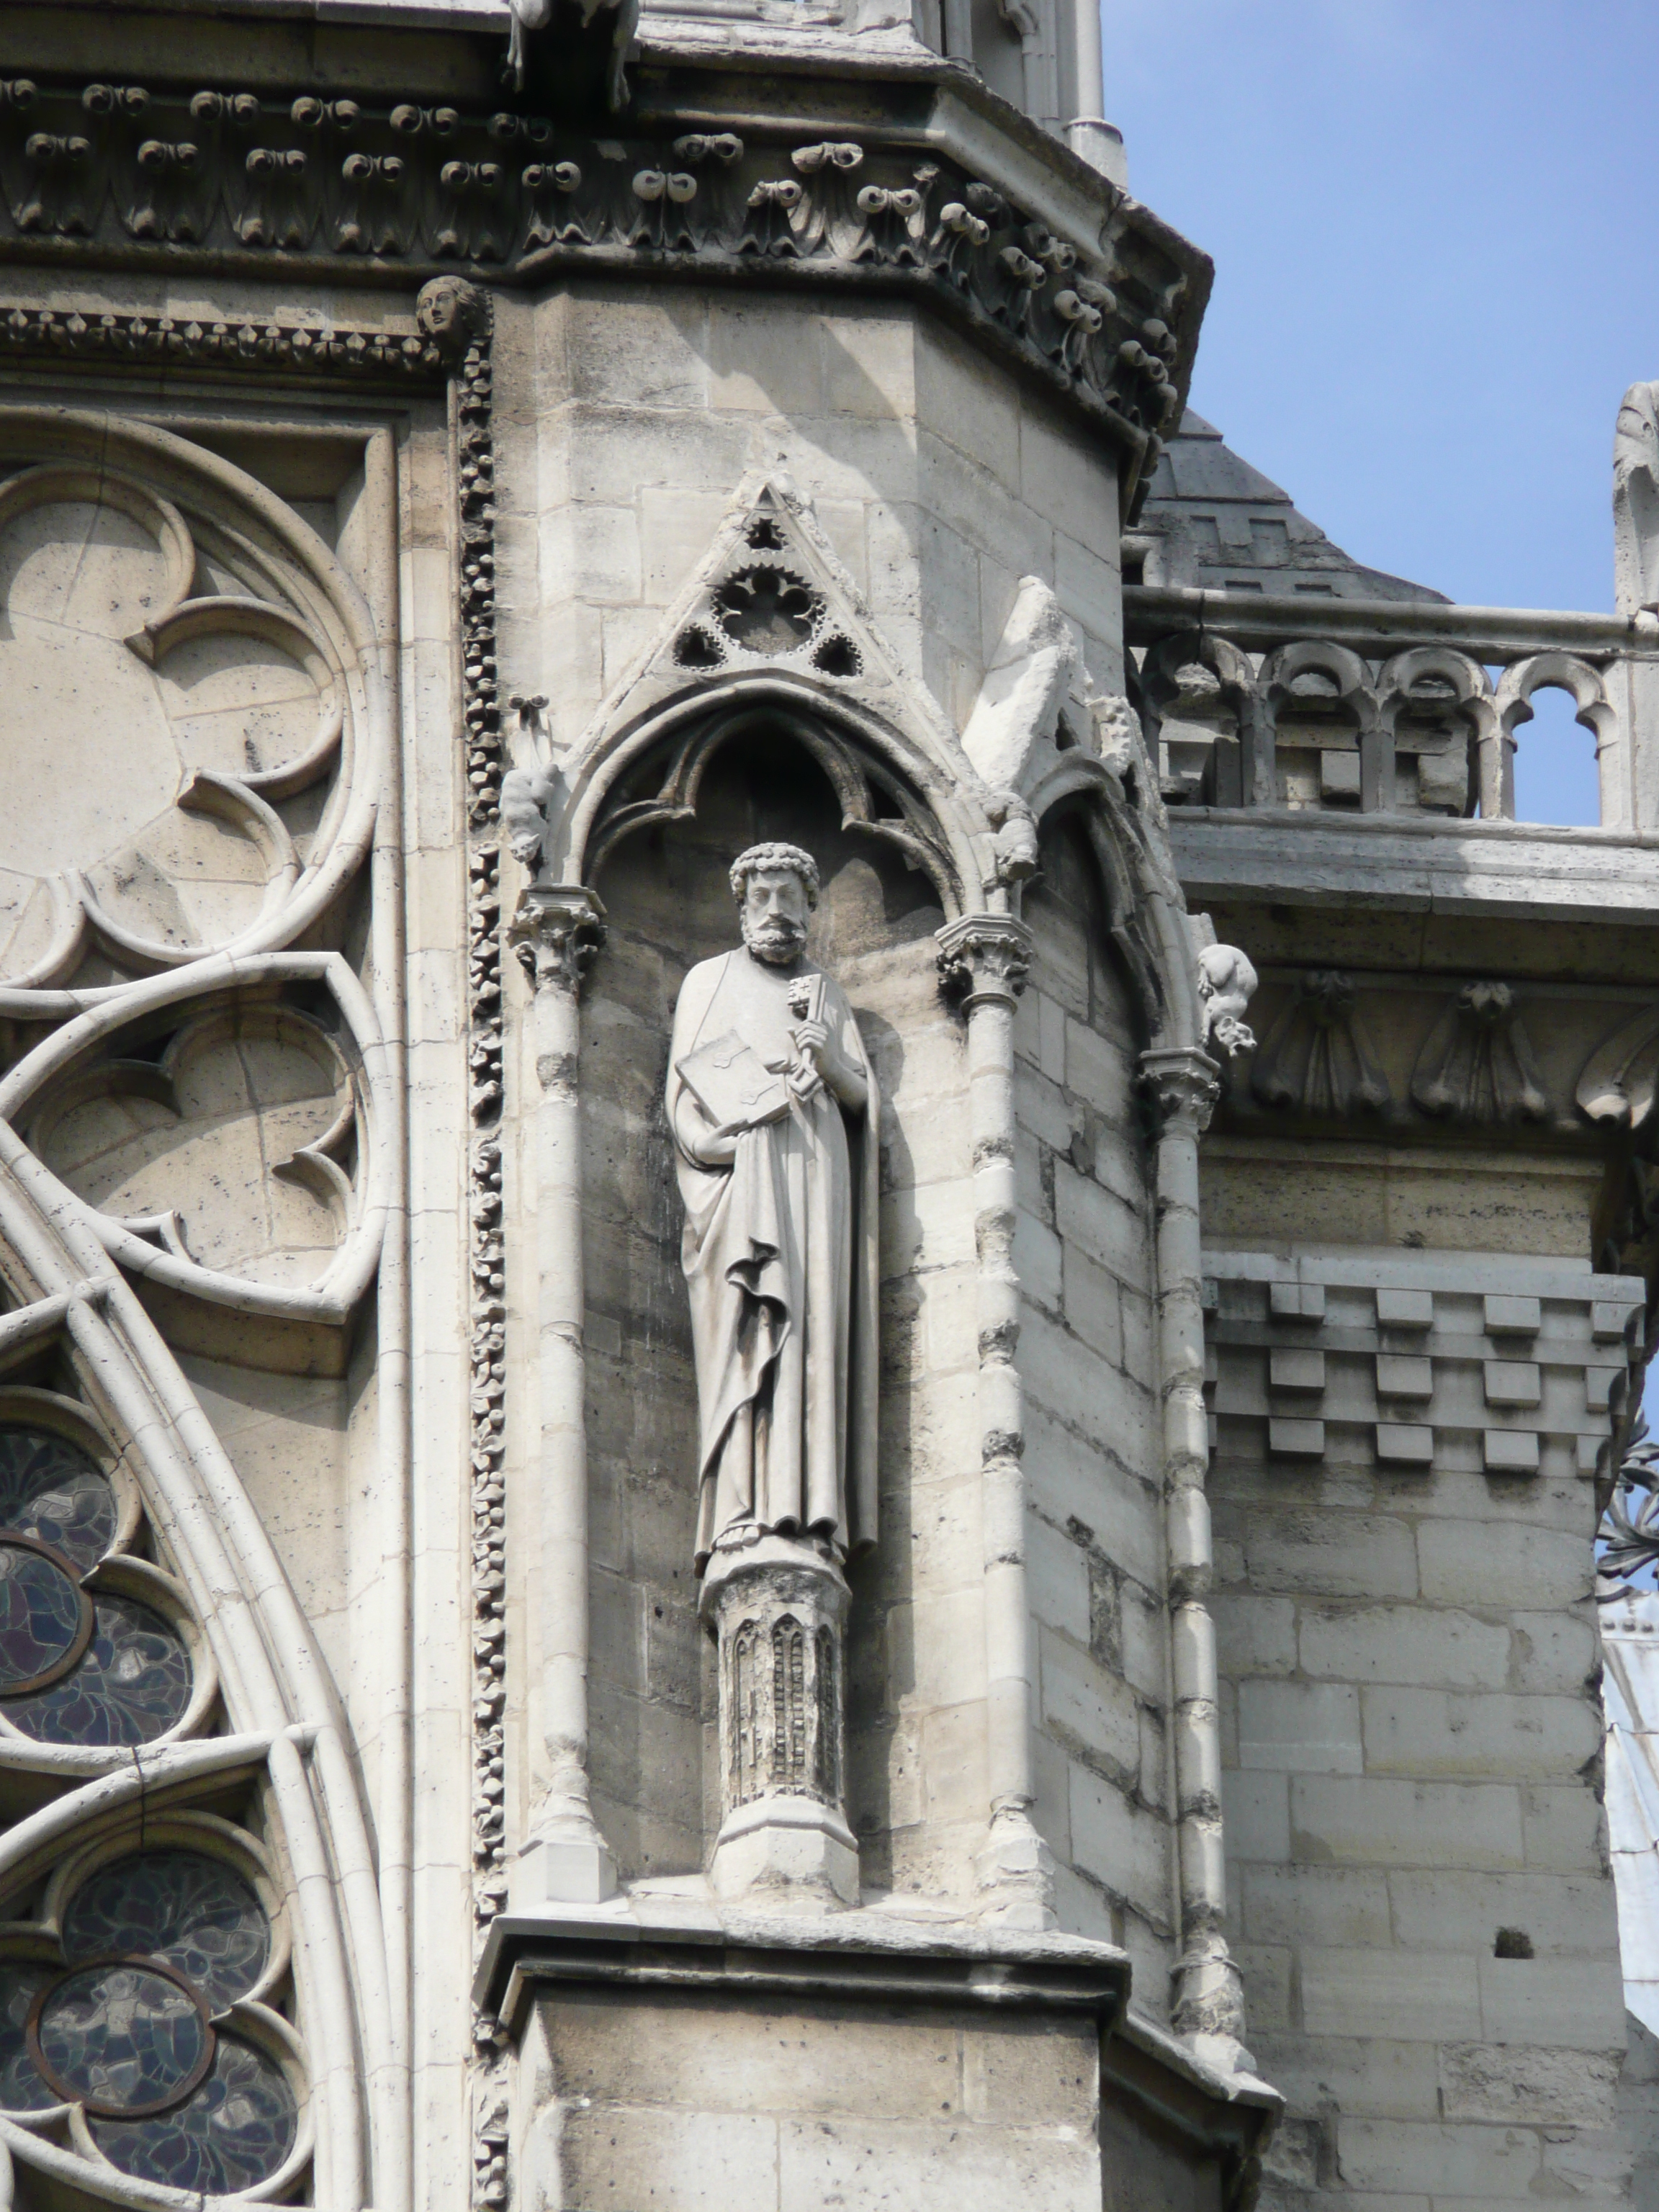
<point x="1104" y="311"/>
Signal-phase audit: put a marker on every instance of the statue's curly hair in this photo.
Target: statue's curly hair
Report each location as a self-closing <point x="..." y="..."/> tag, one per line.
<point x="774" y="856"/>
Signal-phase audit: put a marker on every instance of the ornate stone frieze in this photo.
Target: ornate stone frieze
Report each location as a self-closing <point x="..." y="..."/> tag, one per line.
<point x="457" y="317"/>
<point x="341" y="184"/>
<point x="270" y="349"/>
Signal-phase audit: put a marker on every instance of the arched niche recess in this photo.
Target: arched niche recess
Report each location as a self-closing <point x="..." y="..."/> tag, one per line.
<point x="664" y="886"/>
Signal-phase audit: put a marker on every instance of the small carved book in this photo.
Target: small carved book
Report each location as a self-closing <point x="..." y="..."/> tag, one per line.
<point x="733" y="1084"/>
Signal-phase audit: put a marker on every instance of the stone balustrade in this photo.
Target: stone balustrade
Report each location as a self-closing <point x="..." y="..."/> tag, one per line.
<point x="1380" y="706"/>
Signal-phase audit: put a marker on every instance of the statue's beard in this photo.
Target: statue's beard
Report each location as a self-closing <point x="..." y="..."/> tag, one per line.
<point x="779" y="941"/>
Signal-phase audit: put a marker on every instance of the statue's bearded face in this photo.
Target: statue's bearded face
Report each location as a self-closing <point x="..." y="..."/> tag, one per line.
<point x="774" y="911"/>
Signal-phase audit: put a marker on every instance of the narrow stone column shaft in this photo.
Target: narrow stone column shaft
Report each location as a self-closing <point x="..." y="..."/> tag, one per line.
<point x="987" y="955"/>
<point x="557" y="932"/>
<point x="1208" y="1991"/>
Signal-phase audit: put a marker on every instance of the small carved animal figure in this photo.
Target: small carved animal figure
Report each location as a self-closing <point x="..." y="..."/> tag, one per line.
<point x="576" y="17"/>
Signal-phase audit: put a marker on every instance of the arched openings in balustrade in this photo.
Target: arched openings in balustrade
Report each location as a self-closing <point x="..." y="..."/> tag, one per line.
<point x="1322" y="711"/>
<point x="1558" y="777"/>
<point x="1440" y="728"/>
<point x="1201" y="714"/>
<point x="1426" y="731"/>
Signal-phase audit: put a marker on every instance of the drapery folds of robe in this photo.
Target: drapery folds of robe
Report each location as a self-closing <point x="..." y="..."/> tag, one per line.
<point x="780" y="1253"/>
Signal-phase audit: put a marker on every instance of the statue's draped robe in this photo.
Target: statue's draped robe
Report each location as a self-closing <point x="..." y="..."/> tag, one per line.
<point x="780" y="1252"/>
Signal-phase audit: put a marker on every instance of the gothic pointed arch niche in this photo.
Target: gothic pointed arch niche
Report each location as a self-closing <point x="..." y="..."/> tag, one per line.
<point x="746" y="768"/>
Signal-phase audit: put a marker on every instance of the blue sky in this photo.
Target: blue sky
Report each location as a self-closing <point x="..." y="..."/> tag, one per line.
<point x="1436" y="231"/>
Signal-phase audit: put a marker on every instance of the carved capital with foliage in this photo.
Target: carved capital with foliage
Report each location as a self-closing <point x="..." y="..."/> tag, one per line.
<point x="556" y="933"/>
<point x="1184" y="1084"/>
<point x="983" y="959"/>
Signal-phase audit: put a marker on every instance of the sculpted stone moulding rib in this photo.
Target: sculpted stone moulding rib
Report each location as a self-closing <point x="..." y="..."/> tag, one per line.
<point x="1105" y="320"/>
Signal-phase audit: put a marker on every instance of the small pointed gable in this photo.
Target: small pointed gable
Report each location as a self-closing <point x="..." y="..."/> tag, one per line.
<point x="771" y="596"/>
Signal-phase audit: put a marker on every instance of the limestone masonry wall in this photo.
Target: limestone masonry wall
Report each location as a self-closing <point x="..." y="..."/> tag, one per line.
<point x="1417" y="1857"/>
<point x="1094" y="1543"/>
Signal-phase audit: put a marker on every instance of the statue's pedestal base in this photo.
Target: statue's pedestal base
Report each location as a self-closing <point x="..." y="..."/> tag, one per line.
<point x="799" y="1852"/>
<point x="778" y="1608"/>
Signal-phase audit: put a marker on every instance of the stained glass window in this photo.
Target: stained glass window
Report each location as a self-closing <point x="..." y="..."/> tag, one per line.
<point x="75" y="1666"/>
<point x="236" y="2129"/>
<point x="50" y="1490"/>
<point x="195" y="1914"/>
<point x="131" y="2025"/>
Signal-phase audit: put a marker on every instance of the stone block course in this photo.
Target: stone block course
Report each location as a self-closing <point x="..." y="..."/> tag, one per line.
<point x="1527" y="2085"/>
<point x="1406" y="1997"/>
<point x="1330" y="1554"/>
<point x="1366" y="1821"/>
<point x="1100" y="1224"/>
<point x="1575" y="2004"/>
<point x="1438" y="1732"/>
<point x="1124" y="1847"/>
<point x="1475" y="1563"/>
<point x="1300" y="1728"/>
<point x="1336" y="1908"/>
<point x="1403" y="1644"/>
<point x="1455" y="2163"/>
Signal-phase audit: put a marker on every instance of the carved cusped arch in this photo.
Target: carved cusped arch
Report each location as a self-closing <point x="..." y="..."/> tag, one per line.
<point x="883" y="791"/>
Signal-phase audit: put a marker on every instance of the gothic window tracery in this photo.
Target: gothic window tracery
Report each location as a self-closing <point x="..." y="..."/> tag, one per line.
<point x="134" y="2004"/>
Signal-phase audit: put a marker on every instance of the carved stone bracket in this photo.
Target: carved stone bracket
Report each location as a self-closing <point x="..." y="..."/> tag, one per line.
<point x="1317" y="1058"/>
<point x="558" y="933"/>
<point x="779" y="1611"/>
<point x="1184" y="1083"/>
<point x="984" y="958"/>
<point x="1477" y="1064"/>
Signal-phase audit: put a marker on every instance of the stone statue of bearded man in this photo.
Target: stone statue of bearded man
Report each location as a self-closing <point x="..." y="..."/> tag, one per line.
<point x="775" y="1110"/>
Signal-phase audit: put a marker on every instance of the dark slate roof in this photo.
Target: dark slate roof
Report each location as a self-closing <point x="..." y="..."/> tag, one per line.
<point x="1213" y="521"/>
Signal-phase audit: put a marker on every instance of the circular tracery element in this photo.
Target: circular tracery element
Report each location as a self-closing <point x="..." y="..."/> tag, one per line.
<point x="194" y="1914"/>
<point x="45" y="1617"/>
<point x="52" y="1491"/>
<point x="126" y="2038"/>
<point x="140" y="2023"/>
<point x="77" y="1665"/>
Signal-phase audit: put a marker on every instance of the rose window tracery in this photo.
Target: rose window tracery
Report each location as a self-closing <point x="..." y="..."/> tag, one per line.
<point x="145" y="2018"/>
<point x="79" y="1662"/>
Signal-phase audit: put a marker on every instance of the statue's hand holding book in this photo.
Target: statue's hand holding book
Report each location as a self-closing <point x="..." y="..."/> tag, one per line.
<point x="734" y="1086"/>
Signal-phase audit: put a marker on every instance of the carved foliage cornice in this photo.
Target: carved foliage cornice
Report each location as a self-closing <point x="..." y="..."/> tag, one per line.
<point x="272" y="348"/>
<point x="335" y="184"/>
<point x="1477" y="1064"/>
<point x="1318" y="1058"/>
